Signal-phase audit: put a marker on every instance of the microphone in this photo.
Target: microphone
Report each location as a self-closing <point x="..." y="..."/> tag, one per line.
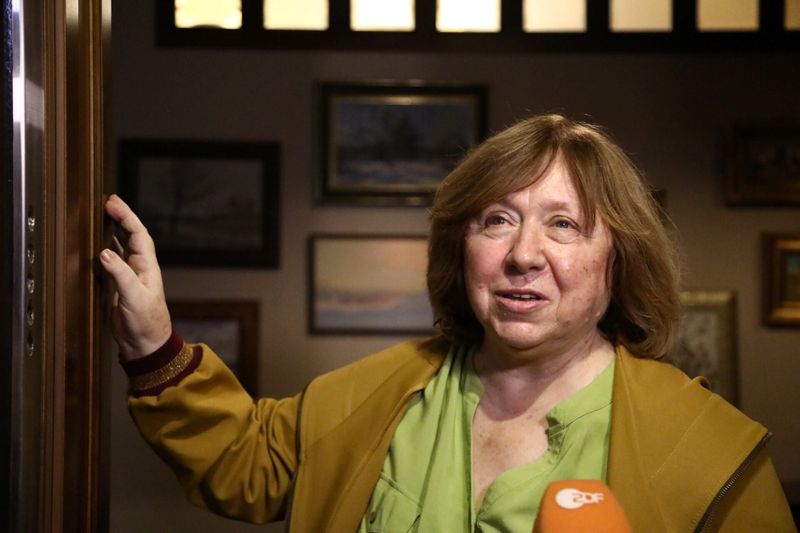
<point x="577" y="506"/>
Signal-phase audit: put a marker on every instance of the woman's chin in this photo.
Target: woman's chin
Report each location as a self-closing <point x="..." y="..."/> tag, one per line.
<point x="519" y="339"/>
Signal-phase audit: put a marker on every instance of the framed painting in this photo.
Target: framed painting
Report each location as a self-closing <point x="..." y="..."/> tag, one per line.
<point x="391" y="144"/>
<point x="706" y="344"/>
<point x="782" y="279"/>
<point x="764" y="165"/>
<point x="368" y="284"/>
<point x="210" y="204"/>
<point x="230" y="328"/>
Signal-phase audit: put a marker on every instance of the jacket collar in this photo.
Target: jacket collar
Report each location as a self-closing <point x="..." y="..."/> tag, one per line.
<point x="346" y="426"/>
<point x="674" y="444"/>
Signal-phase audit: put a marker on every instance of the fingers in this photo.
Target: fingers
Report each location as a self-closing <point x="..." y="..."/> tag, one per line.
<point x="140" y="246"/>
<point x="123" y="214"/>
<point x="129" y="222"/>
<point x="124" y="277"/>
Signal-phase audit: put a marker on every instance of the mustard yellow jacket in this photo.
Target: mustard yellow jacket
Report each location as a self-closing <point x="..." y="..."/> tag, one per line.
<point x="681" y="459"/>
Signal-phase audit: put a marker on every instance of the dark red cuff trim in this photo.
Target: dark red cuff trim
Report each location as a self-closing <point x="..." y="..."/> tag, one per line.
<point x="156" y="360"/>
<point x="197" y="356"/>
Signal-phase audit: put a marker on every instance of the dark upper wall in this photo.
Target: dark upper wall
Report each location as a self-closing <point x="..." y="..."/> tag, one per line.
<point x="670" y="112"/>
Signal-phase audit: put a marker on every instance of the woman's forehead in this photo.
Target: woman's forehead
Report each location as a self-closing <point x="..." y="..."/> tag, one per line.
<point x="555" y="187"/>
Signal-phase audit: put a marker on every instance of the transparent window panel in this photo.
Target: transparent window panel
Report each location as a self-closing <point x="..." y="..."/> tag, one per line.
<point x="636" y="15"/>
<point x="727" y="15"/>
<point x="791" y="15"/>
<point x="215" y="13"/>
<point x="296" y="14"/>
<point x="554" y="15"/>
<point x="468" y="16"/>
<point x="382" y="15"/>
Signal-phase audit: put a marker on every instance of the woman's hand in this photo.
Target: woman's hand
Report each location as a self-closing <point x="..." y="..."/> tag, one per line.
<point x="140" y="320"/>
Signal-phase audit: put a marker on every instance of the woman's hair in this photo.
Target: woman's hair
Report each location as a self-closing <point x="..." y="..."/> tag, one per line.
<point x="645" y="305"/>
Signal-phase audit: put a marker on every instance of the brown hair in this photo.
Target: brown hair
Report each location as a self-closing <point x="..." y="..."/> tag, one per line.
<point x="645" y="304"/>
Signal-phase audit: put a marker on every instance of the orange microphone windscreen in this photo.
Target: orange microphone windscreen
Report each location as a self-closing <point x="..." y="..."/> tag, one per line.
<point x="572" y="506"/>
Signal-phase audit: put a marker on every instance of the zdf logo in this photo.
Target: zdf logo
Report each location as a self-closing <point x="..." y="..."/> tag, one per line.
<point x="570" y="498"/>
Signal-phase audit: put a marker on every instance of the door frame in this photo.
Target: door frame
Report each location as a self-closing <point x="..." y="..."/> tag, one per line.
<point x="55" y="401"/>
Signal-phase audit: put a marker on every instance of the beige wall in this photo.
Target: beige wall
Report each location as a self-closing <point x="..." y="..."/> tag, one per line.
<point x="669" y="111"/>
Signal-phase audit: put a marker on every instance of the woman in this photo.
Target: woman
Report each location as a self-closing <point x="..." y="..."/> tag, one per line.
<point x="549" y="267"/>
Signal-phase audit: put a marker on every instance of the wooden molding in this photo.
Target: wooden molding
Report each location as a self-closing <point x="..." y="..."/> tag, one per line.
<point x="60" y="386"/>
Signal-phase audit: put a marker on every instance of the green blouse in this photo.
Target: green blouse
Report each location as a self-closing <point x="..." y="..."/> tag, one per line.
<point x="426" y="481"/>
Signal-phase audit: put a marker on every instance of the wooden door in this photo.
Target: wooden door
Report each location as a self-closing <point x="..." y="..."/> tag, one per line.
<point x="57" y="346"/>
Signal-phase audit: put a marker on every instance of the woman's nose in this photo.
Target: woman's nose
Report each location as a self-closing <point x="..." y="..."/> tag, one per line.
<point x="527" y="252"/>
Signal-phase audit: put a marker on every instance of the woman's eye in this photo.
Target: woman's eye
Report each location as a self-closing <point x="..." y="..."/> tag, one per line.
<point x="564" y="230"/>
<point x="495" y="220"/>
<point x="564" y="224"/>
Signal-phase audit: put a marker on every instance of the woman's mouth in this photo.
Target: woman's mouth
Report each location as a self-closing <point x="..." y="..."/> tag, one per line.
<point x="520" y="301"/>
<point x="522" y="297"/>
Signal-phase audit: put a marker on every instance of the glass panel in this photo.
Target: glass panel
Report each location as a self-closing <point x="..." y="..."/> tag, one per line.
<point x="732" y="15"/>
<point x="635" y="15"/>
<point x="468" y="15"/>
<point x="554" y="15"/>
<point x="296" y="14"/>
<point x="791" y="15"/>
<point x="216" y="13"/>
<point x="382" y="15"/>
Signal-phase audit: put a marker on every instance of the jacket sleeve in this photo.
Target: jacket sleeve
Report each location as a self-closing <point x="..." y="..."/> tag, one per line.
<point x="756" y="502"/>
<point x="232" y="455"/>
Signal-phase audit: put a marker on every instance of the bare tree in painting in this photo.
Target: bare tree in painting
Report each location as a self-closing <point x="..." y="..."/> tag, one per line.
<point x="189" y="184"/>
<point x="403" y="137"/>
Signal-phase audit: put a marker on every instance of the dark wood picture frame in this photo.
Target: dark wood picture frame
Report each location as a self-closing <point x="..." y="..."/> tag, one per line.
<point x="206" y="203"/>
<point x="392" y="143"/>
<point x="781" y="279"/>
<point x="368" y="285"/>
<point x="707" y="341"/>
<point x="764" y="165"/>
<point x="229" y="327"/>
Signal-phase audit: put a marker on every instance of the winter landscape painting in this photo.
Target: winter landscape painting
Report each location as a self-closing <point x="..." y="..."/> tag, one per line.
<point x="394" y="144"/>
<point x="369" y="284"/>
<point x="205" y="203"/>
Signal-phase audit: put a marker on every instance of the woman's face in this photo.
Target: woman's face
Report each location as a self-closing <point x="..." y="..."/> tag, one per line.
<point x="535" y="277"/>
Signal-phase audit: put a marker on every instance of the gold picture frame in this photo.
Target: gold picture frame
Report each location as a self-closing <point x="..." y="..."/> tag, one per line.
<point x="782" y="279"/>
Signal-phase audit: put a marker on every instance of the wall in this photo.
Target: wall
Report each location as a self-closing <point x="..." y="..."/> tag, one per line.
<point x="670" y="112"/>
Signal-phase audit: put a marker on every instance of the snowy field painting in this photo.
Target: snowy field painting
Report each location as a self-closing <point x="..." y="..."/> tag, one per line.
<point x="202" y="202"/>
<point x="393" y="144"/>
<point x="399" y="143"/>
<point x="369" y="285"/>
<point x="206" y="203"/>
